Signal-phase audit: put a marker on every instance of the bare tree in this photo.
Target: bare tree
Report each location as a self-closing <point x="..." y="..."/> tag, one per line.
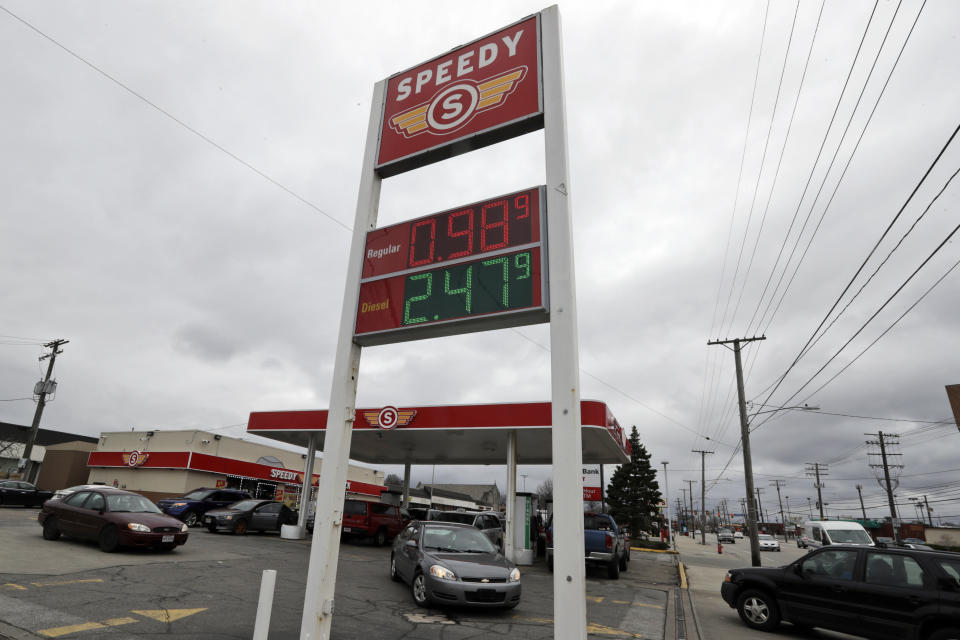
<point x="545" y="492"/>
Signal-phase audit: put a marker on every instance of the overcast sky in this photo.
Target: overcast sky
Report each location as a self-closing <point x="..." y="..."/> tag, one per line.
<point x="138" y="224"/>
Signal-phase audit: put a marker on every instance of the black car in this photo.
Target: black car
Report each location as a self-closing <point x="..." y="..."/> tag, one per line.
<point x="22" y="493"/>
<point x="874" y="592"/>
<point x="250" y="515"/>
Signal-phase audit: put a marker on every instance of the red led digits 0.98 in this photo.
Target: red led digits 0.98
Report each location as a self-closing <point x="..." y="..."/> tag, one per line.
<point x="495" y="225"/>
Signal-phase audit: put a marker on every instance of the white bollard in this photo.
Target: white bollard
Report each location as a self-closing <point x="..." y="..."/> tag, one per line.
<point x="265" y="605"/>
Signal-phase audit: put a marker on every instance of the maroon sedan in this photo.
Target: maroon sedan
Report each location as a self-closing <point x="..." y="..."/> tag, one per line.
<point x="114" y="518"/>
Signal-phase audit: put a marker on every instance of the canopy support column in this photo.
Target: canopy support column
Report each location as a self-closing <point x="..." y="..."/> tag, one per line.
<point x="508" y="550"/>
<point x="307" y="487"/>
<point x="405" y="499"/>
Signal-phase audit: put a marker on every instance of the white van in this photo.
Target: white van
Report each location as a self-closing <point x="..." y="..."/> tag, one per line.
<point x="820" y="533"/>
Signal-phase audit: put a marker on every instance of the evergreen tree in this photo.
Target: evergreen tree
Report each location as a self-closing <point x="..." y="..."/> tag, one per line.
<point x="633" y="492"/>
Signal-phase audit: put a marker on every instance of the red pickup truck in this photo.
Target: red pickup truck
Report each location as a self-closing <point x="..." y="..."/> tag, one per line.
<point x="375" y="520"/>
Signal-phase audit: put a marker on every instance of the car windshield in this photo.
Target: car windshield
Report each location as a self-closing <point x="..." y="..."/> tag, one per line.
<point x="130" y="503"/>
<point x="725" y="531"/>
<point x="198" y="494"/>
<point x="849" y="536"/>
<point x="764" y="536"/>
<point x="456" y="540"/>
<point x="455" y="516"/>
<point x="244" y="505"/>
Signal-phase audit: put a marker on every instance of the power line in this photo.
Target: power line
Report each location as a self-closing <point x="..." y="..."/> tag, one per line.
<point x="180" y="122"/>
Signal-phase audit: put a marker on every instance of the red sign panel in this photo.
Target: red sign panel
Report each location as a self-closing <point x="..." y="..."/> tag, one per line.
<point x="485" y="91"/>
<point x="484" y="227"/>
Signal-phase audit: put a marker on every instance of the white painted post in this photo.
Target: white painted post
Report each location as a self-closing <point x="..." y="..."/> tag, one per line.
<point x="511" y="514"/>
<point x="405" y="499"/>
<point x="569" y="603"/>
<point x="261" y="629"/>
<point x="307" y="487"/>
<point x="325" y="549"/>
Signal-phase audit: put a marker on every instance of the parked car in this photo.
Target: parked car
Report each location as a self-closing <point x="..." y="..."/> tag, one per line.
<point x="725" y="535"/>
<point x="486" y="521"/>
<point x="423" y="513"/>
<point x="191" y="507"/>
<point x="822" y="533"/>
<point x="114" y="518"/>
<point x="605" y="544"/>
<point x="767" y="542"/>
<point x="22" y="493"/>
<point x="250" y="515"/>
<point x="914" y="541"/>
<point x="452" y="563"/>
<point x="60" y="494"/>
<point x="879" y="593"/>
<point x="375" y="521"/>
<point x="738" y="535"/>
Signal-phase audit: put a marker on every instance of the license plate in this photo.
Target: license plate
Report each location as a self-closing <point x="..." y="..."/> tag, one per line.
<point x="346" y="529"/>
<point x="167" y="539"/>
<point x="208" y="520"/>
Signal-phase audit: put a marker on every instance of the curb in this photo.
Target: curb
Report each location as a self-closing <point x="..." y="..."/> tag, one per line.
<point x="670" y="551"/>
<point x="683" y="576"/>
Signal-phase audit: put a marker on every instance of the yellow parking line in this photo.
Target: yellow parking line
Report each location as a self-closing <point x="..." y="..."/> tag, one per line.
<point x="595" y="598"/>
<point x="638" y="604"/>
<point x="57" y="584"/>
<point x="56" y="632"/>
<point x="591" y="628"/>
<point x="116" y="622"/>
<point x="14" y="586"/>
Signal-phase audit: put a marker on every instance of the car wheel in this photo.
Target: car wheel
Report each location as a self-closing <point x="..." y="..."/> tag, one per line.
<point x="613" y="569"/>
<point x="393" y="569"/>
<point x="109" y="539"/>
<point x="944" y="634"/>
<point x="758" y="610"/>
<point x="240" y="528"/>
<point x="190" y="519"/>
<point x="419" y="589"/>
<point x="380" y="538"/>
<point x="622" y="563"/>
<point x="50" y="531"/>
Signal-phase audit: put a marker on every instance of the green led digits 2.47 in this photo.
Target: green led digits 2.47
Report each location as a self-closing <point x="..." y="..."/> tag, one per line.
<point x="485" y="286"/>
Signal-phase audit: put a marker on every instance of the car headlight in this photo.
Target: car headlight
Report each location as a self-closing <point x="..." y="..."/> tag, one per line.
<point x="179" y="504"/>
<point x="515" y="575"/>
<point x="184" y="528"/>
<point x="728" y="577"/>
<point x="136" y="526"/>
<point x="438" y="571"/>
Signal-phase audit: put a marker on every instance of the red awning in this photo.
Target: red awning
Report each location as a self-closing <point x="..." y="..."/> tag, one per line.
<point x="452" y="434"/>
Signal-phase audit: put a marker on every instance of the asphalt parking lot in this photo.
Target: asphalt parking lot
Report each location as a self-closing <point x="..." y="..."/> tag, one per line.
<point x="209" y="589"/>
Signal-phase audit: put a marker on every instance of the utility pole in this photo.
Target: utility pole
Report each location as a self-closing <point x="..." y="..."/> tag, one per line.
<point x="690" y="490"/>
<point x="895" y="525"/>
<point x="745" y="444"/>
<point x="810" y="507"/>
<point x="817" y="469"/>
<point x="783" y="522"/>
<point x="703" y="493"/>
<point x="929" y="512"/>
<point x="760" y="506"/>
<point x="42" y="389"/>
<point x="666" y="501"/>
<point x="680" y="516"/>
<point x="787" y="499"/>
<point x="862" y="508"/>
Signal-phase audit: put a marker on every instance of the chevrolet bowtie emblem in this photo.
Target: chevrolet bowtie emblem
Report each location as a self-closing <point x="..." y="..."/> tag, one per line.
<point x="454" y="106"/>
<point x="485" y="580"/>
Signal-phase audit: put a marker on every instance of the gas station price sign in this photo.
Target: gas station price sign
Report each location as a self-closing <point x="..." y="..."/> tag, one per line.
<point x="476" y="267"/>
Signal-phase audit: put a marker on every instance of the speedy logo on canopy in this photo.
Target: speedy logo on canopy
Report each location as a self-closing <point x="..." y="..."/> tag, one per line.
<point x="480" y="93"/>
<point x="389" y="417"/>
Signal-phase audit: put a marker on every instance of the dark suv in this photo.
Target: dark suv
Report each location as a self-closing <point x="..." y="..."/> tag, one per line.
<point x="191" y="507"/>
<point x="875" y="592"/>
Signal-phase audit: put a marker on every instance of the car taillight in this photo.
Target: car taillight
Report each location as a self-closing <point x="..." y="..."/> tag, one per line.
<point x="609" y="539"/>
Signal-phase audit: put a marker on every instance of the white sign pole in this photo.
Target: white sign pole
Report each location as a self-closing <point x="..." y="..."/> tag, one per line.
<point x="569" y="604"/>
<point x="325" y="550"/>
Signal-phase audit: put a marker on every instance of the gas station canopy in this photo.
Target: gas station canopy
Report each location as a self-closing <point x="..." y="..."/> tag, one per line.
<point x="453" y="434"/>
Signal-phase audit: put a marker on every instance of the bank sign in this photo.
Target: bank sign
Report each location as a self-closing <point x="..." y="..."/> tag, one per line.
<point x="473" y="96"/>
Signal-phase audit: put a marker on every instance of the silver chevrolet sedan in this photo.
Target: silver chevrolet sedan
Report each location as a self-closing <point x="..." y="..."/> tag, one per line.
<point x="450" y="563"/>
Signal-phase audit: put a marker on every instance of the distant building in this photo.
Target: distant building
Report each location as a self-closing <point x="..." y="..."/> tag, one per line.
<point x="13" y="440"/>
<point x="485" y="496"/>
